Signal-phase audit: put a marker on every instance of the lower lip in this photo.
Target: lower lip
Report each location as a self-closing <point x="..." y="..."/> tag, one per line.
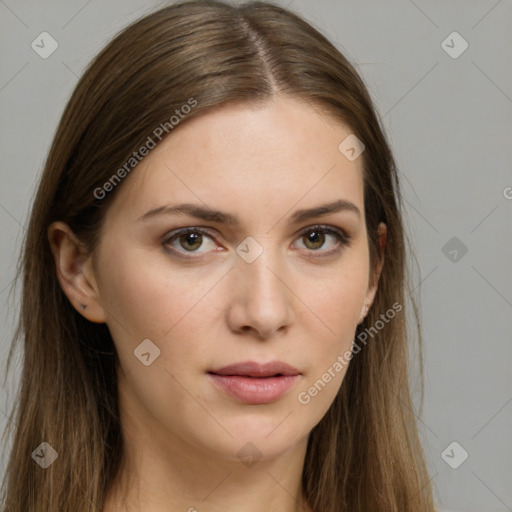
<point x="255" y="390"/>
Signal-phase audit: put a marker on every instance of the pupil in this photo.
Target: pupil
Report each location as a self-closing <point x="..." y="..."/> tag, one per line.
<point x="315" y="238"/>
<point x="193" y="238"/>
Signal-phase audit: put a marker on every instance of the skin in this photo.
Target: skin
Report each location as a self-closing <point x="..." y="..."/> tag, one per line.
<point x="182" y="433"/>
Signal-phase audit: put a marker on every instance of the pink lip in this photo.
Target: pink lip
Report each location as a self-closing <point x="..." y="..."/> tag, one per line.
<point x="256" y="383"/>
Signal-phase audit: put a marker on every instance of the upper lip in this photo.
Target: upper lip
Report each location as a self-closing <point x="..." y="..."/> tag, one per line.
<point x="255" y="369"/>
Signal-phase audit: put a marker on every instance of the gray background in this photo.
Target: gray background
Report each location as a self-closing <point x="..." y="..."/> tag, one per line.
<point x="449" y="122"/>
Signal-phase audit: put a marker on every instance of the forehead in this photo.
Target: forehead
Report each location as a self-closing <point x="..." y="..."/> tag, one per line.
<point x="247" y="157"/>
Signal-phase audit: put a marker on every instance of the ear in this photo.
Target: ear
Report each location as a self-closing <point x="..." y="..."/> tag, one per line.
<point x="372" y="290"/>
<point x="75" y="272"/>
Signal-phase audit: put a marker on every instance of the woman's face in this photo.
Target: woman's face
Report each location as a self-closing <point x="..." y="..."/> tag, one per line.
<point x="255" y="284"/>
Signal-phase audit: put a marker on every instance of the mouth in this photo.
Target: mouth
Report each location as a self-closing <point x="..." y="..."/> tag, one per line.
<point x="259" y="370"/>
<point x="255" y="383"/>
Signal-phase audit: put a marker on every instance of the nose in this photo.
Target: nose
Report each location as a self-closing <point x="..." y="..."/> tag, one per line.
<point x="261" y="300"/>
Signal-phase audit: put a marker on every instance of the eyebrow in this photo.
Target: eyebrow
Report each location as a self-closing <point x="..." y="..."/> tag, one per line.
<point x="207" y="214"/>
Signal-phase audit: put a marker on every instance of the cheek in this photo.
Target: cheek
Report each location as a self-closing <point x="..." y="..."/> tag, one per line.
<point x="148" y="298"/>
<point x="339" y="300"/>
<point x="147" y="295"/>
<point x="334" y="310"/>
<point x="336" y="299"/>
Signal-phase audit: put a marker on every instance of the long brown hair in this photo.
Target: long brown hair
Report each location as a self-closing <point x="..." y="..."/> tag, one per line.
<point x="365" y="453"/>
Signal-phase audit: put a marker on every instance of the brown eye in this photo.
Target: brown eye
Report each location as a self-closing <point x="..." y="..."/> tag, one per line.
<point x="191" y="241"/>
<point x="316" y="238"/>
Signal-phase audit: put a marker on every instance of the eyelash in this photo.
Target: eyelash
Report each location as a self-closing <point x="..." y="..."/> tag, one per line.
<point x="343" y="239"/>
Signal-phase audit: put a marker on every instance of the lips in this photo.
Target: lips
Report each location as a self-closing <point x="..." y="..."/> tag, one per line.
<point x="253" y="369"/>
<point x="255" y="383"/>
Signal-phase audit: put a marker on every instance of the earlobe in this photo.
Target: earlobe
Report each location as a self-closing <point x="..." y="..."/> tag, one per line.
<point x="74" y="272"/>
<point x="364" y="312"/>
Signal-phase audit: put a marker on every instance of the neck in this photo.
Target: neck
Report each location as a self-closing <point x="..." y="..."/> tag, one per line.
<point x="153" y="481"/>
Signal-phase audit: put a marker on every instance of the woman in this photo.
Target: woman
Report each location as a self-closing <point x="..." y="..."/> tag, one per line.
<point x="213" y="304"/>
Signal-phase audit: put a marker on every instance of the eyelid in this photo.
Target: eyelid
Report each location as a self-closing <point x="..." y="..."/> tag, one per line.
<point x="344" y="239"/>
<point x="176" y="233"/>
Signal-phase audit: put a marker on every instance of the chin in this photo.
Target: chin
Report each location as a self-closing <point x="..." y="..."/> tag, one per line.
<point x="255" y="435"/>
